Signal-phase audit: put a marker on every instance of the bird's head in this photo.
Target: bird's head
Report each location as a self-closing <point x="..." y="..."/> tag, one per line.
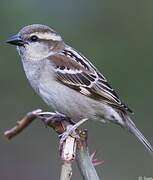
<point x="35" y="42"/>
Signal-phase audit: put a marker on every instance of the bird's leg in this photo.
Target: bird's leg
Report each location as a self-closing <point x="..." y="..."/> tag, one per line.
<point x="71" y="131"/>
<point x="53" y="118"/>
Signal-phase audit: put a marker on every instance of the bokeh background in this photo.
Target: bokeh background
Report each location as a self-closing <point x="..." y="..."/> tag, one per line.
<point x="117" y="36"/>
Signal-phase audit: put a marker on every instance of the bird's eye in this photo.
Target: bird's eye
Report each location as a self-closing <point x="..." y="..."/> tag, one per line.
<point x="34" y="38"/>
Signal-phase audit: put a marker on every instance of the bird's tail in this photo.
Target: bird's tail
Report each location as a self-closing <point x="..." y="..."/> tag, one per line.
<point x="134" y="130"/>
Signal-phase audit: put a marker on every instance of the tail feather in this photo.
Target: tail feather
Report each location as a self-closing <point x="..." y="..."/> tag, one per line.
<point x="134" y="130"/>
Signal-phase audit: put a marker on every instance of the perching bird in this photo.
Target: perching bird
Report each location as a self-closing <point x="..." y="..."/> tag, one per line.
<point x="69" y="82"/>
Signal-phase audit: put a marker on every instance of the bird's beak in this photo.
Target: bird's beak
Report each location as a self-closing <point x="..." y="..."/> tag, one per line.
<point x="15" y="40"/>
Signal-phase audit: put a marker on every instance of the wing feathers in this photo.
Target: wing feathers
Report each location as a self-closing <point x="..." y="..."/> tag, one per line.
<point x="76" y="72"/>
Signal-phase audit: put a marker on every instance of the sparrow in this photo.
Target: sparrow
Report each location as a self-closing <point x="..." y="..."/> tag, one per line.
<point x="68" y="82"/>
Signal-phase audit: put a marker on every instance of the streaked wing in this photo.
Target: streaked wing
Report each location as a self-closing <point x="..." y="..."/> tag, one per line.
<point x="76" y="72"/>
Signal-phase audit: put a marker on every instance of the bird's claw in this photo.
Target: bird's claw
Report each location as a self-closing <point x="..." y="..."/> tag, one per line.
<point x="69" y="132"/>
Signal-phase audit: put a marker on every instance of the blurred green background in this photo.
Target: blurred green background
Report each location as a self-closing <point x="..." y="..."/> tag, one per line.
<point x="117" y="37"/>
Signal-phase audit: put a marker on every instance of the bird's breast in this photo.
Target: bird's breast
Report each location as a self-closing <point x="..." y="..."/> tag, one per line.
<point x="34" y="71"/>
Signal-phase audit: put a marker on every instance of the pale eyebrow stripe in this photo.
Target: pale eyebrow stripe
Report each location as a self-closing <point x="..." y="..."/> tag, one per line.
<point x="47" y="36"/>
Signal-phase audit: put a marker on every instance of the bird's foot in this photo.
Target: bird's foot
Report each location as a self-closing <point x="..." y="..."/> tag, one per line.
<point x="52" y="118"/>
<point x="70" y="131"/>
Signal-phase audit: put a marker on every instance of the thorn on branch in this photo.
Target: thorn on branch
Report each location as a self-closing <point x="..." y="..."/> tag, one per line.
<point x="94" y="160"/>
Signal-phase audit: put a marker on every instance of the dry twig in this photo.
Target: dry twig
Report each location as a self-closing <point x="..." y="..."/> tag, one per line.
<point x="66" y="172"/>
<point x="22" y="124"/>
<point x="84" y="160"/>
<point x="61" y="124"/>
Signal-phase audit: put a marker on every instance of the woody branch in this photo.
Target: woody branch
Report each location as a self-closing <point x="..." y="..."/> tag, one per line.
<point x="72" y="148"/>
